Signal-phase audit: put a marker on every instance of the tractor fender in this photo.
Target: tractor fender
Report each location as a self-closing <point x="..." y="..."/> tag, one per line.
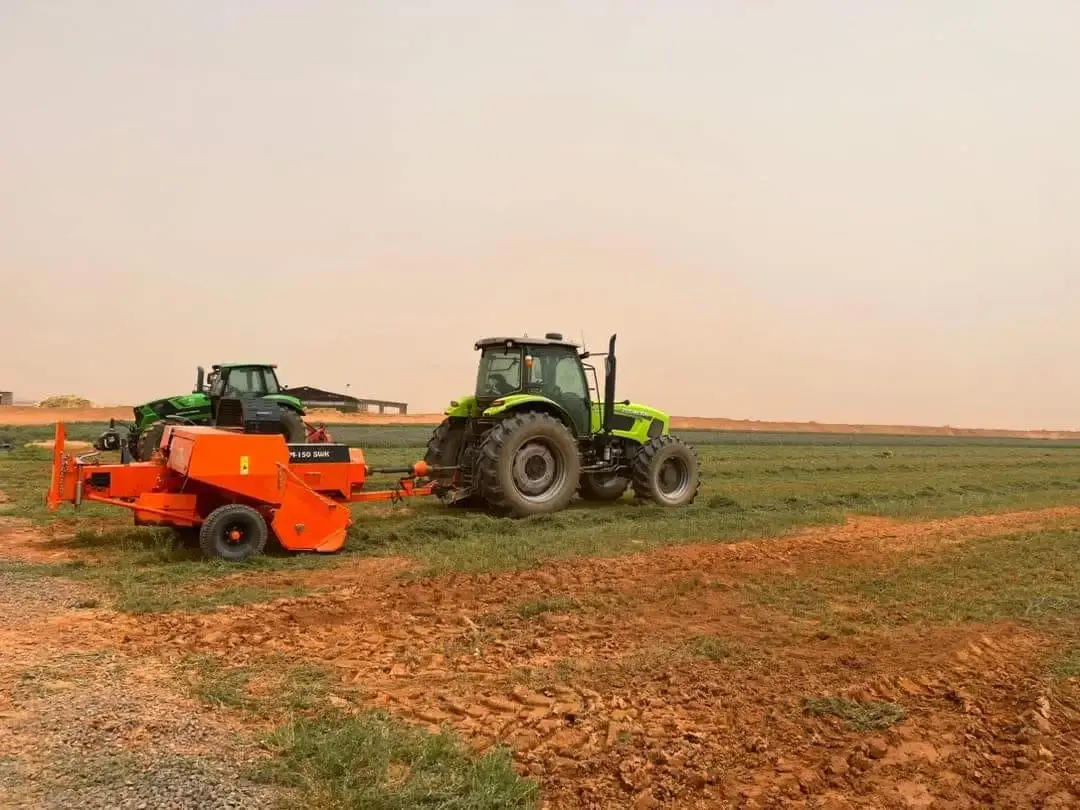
<point x="529" y="402"/>
<point x="286" y="401"/>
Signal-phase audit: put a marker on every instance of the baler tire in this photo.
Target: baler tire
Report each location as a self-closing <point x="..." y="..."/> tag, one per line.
<point x="649" y="463"/>
<point x="497" y="456"/>
<point x="212" y="536"/>
<point x="149" y="440"/>
<point x="594" y="488"/>
<point x="292" y="427"/>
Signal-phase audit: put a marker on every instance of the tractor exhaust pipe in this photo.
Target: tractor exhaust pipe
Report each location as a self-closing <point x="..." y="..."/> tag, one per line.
<point x="200" y="379"/>
<point x="609" y="386"/>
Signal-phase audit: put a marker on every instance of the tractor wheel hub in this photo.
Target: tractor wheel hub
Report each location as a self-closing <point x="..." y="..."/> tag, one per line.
<point x="534" y="469"/>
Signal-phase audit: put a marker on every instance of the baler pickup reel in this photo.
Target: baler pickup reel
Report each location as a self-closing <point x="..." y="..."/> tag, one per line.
<point x="234" y="490"/>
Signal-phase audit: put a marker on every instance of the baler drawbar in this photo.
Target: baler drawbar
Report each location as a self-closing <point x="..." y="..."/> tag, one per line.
<point x="234" y="490"/>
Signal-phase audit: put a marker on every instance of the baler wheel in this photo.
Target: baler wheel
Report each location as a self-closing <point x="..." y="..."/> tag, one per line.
<point x="234" y="533"/>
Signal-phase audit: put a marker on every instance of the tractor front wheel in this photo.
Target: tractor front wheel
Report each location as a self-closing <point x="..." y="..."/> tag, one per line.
<point x="234" y="533"/>
<point x="665" y="472"/>
<point x="529" y="465"/>
<point x="603" y="486"/>
<point x="292" y="427"/>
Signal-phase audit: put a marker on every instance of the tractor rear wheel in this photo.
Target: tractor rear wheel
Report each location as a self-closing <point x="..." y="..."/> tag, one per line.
<point x="529" y="465"/>
<point x="234" y="533"/>
<point x="292" y="427"/>
<point x="665" y="471"/>
<point x="603" y="486"/>
<point x="442" y="451"/>
<point x="149" y="440"/>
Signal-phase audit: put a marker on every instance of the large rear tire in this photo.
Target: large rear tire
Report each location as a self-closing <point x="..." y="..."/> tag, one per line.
<point x="292" y="427"/>
<point x="529" y="465"/>
<point x="442" y="449"/>
<point x="234" y="533"/>
<point x="665" y="471"/>
<point x="603" y="486"/>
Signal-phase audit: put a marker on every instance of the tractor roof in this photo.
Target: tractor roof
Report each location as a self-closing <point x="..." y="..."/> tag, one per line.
<point x="244" y="365"/>
<point x="551" y="339"/>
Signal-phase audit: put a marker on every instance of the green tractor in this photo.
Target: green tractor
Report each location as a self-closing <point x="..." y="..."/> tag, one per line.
<point x="535" y="434"/>
<point x="200" y="407"/>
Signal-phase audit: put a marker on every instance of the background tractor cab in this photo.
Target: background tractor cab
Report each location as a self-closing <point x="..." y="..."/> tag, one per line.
<point x="231" y="383"/>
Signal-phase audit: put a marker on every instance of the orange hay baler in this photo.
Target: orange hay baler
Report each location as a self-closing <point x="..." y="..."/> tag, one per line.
<point x="234" y="489"/>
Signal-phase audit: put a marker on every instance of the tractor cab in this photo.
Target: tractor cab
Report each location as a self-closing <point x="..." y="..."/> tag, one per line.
<point x="548" y="367"/>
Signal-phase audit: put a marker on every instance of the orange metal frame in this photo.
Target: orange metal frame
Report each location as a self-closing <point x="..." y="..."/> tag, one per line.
<point x="197" y="469"/>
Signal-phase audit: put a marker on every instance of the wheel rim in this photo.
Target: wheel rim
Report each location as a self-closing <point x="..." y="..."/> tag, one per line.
<point x="235" y="534"/>
<point x="673" y="478"/>
<point x="538" y="471"/>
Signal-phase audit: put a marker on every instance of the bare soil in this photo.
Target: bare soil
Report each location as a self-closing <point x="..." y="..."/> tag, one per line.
<point x="27" y="415"/>
<point x="639" y="681"/>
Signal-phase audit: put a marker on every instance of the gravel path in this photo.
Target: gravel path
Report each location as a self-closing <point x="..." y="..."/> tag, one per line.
<point x="101" y="729"/>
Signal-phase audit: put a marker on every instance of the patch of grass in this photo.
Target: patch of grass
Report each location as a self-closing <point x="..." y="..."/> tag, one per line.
<point x="552" y="604"/>
<point x="271" y="687"/>
<point x="1031" y="577"/>
<point x="1067" y="663"/>
<point x="220" y="686"/>
<point x="371" y="761"/>
<point x="859" y="716"/>
<point x="152" y="597"/>
<point x="709" y="647"/>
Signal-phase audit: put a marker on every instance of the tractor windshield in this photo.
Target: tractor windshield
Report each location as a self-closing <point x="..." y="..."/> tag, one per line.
<point x="499" y="373"/>
<point x="239" y="381"/>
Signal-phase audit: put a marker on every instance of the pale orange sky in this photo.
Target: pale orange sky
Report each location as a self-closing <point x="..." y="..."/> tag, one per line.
<point x="839" y="211"/>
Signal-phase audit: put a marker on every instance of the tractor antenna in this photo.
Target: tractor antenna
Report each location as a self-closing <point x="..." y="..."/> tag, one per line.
<point x="583" y="341"/>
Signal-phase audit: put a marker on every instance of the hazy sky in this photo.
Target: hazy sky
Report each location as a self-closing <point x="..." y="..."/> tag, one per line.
<point x="841" y="211"/>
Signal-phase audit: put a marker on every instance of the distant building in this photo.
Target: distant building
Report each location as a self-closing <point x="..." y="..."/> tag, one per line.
<point x="7" y="398"/>
<point x="318" y="398"/>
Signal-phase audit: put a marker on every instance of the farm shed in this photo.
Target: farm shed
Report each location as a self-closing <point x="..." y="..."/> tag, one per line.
<point x="318" y="398"/>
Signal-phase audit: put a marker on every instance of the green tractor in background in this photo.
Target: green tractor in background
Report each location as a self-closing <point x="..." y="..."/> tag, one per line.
<point x="534" y="434"/>
<point x="200" y="407"/>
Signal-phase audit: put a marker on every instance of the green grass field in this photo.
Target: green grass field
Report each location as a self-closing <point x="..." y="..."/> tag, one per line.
<point x="753" y="485"/>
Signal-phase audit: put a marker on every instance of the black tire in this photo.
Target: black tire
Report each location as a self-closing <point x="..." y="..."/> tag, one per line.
<point x="443" y="447"/>
<point x="292" y="427"/>
<point x="234" y="533"/>
<point x="149" y="441"/>
<point x="442" y="450"/>
<point x="506" y="465"/>
<point x="603" y="486"/>
<point x="665" y="471"/>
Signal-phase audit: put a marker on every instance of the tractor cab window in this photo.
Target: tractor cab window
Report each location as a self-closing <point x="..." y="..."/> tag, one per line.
<point x="499" y="373"/>
<point x="247" y="382"/>
<point x="558" y="375"/>
<point x="270" y="384"/>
